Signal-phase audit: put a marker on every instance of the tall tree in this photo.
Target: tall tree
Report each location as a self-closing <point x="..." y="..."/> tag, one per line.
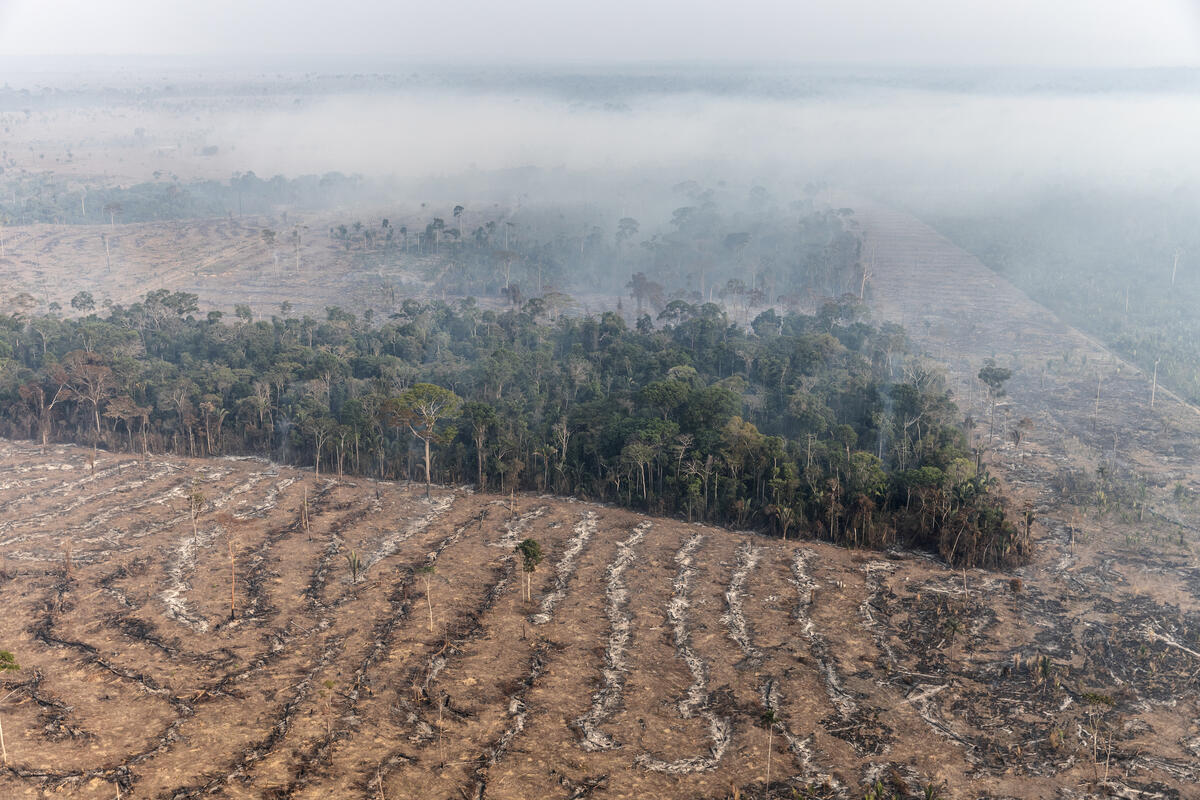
<point x="89" y="380"/>
<point x="421" y="409"/>
<point x="994" y="377"/>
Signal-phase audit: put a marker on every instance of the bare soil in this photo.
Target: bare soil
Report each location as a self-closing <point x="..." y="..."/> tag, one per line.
<point x="135" y="675"/>
<point x="225" y="261"/>
<point x="650" y="650"/>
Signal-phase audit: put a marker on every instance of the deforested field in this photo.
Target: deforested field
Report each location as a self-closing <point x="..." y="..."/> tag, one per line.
<point x="644" y="664"/>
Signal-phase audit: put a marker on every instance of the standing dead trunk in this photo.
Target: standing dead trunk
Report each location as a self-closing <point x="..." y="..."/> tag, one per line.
<point x="427" y="476"/>
<point x="232" y="581"/>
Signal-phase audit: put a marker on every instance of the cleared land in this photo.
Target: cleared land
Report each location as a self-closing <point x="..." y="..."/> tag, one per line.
<point x="225" y="261"/>
<point x="642" y="666"/>
<point x="651" y="648"/>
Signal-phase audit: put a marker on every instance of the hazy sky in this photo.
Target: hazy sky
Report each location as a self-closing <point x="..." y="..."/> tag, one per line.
<point x="936" y="32"/>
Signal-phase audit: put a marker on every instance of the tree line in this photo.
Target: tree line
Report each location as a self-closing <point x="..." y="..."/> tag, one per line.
<point x="798" y="424"/>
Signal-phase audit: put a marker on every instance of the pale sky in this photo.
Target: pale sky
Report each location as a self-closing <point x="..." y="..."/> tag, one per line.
<point x="1077" y="33"/>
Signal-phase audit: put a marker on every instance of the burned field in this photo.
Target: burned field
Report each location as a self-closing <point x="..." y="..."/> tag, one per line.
<point x="235" y="628"/>
<point x="380" y="645"/>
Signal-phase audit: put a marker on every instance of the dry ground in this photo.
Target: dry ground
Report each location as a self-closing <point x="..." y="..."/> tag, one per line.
<point x="223" y="260"/>
<point x="650" y="650"/>
<point x="641" y="667"/>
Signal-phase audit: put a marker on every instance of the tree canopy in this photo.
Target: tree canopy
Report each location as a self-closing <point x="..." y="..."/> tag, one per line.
<point x="791" y="423"/>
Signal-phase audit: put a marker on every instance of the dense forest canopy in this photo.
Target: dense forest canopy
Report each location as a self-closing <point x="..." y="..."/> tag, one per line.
<point x="801" y="423"/>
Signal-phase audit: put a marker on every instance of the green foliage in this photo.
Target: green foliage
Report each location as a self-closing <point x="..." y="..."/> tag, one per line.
<point x="8" y="662"/>
<point x="355" y="563"/>
<point x="1098" y="699"/>
<point x="531" y="554"/>
<point x="994" y="377"/>
<point x="802" y="425"/>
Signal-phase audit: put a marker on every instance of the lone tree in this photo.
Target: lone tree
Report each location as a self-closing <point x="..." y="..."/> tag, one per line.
<point x="769" y="720"/>
<point x="421" y="409"/>
<point x="8" y="663"/>
<point x="426" y="572"/>
<point x="531" y="555"/>
<point x="195" y="501"/>
<point x="994" y="377"/>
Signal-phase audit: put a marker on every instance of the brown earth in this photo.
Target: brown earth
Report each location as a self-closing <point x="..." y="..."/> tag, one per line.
<point x="225" y="261"/>
<point x="650" y="650"/>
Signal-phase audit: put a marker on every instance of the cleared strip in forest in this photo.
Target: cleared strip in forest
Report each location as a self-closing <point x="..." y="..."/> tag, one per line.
<point x="320" y="572"/>
<point x="120" y="774"/>
<point x="606" y="699"/>
<point x="61" y="489"/>
<point x="471" y="625"/>
<point x="697" y="695"/>
<point x="269" y="501"/>
<point x="801" y="748"/>
<point x="138" y="629"/>
<point x="184" y="561"/>
<point x="56" y="512"/>
<point x="179" y="493"/>
<point x="875" y="571"/>
<point x="517" y="709"/>
<point x="400" y="605"/>
<point x="257" y="569"/>
<point x="565" y="569"/>
<point x="179" y="568"/>
<point x="859" y="727"/>
<point x="254" y="578"/>
<point x="158" y="498"/>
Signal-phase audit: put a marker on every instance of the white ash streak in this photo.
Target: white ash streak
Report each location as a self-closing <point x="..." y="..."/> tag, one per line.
<point x="269" y="501"/>
<point x="565" y="569"/>
<point x="734" y="616"/>
<point x="819" y="648"/>
<point x="800" y="748"/>
<point x="391" y="544"/>
<point x="181" y="566"/>
<point x="877" y="628"/>
<point x="515" y="527"/>
<point x="605" y="701"/>
<point x="697" y="695"/>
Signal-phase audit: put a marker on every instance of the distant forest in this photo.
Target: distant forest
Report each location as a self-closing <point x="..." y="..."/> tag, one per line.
<point x="748" y="250"/>
<point x="803" y="424"/>
<point x="1124" y="268"/>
